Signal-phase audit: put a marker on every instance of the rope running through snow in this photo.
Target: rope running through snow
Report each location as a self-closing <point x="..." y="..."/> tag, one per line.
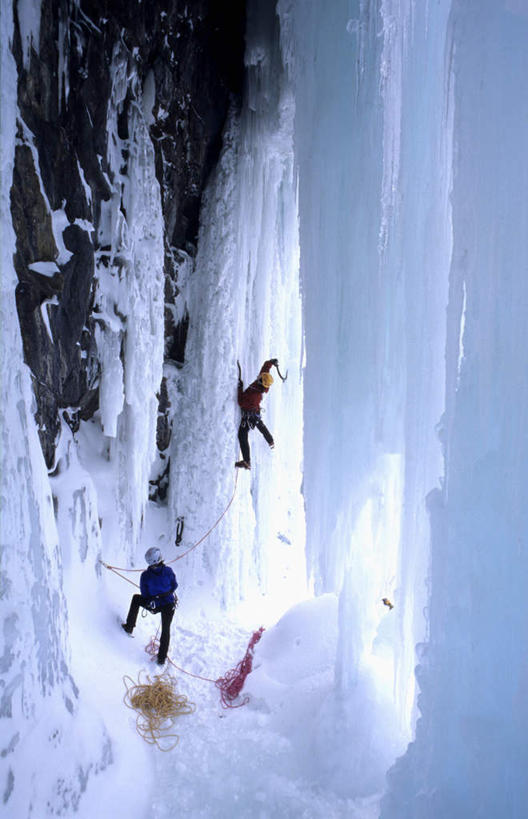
<point x="149" y="702"/>
<point x="232" y="683"/>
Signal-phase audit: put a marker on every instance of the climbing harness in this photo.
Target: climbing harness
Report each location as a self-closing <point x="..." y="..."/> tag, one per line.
<point x="232" y="683"/>
<point x="250" y="419"/>
<point x="158" y="705"/>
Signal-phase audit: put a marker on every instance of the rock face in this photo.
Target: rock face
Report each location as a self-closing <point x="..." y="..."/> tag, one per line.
<point x="183" y="62"/>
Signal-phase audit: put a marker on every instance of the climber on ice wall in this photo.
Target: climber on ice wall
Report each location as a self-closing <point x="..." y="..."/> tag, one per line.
<point x="157" y="585"/>
<point x="249" y="402"/>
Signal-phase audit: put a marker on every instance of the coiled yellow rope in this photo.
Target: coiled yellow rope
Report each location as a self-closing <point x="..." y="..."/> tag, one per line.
<point x="158" y="705"/>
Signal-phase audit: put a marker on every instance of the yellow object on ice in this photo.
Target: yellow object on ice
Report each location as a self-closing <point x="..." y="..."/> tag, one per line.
<point x="387" y="602"/>
<point x="158" y="705"/>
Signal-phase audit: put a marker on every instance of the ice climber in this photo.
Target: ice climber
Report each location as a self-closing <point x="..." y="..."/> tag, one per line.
<point x="249" y="402"/>
<point x="157" y="585"/>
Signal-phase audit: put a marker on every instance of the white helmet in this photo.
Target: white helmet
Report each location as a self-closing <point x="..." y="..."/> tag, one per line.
<point x="153" y="556"/>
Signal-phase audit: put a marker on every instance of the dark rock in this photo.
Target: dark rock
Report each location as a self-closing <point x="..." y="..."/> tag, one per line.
<point x="70" y="316"/>
<point x="163" y="429"/>
<point x="31" y="217"/>
<point x="176" y="337"/>
<point x="191" y="54"/>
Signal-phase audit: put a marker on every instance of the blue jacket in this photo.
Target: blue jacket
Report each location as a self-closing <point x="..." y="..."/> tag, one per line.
<point x="158" y="584"/>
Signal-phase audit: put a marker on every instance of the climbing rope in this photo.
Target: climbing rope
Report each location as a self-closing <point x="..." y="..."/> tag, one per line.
<point x="158" y="705"/>
<point x="232" y="683"/>
<point x="114" y="570"/>
<point x="117" y="569"/>
<point x="212" y="527"/>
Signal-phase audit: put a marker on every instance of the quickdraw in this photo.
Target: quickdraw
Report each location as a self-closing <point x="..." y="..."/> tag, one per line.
<point x="118" y="569"/>
<point x="180" y="523"/>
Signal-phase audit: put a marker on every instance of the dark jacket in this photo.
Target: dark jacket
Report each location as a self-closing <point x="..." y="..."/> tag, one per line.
<point x="158" y="583"/>
<point x="250" y="398"/>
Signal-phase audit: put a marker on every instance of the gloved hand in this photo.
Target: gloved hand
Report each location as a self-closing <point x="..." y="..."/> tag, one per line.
<point x="275" y="361"/>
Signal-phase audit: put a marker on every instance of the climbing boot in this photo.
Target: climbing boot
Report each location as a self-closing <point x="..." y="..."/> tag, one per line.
<point x="243" y="465"/>
<point x="128" y="629"/>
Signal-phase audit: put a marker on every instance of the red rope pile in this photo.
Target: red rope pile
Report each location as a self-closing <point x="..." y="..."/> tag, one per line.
<point x="232" y="683"/>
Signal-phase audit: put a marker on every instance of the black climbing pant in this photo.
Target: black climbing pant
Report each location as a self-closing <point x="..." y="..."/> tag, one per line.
<point x="243" y="433"/>
<point x="167" y="613"/>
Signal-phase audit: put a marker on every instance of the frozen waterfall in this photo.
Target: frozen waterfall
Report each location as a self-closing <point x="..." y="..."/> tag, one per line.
<point x="411" y="133"/>
<point x="365" y="224"/>
<point x="244" y="301"/>
<point x="470" y="752"/>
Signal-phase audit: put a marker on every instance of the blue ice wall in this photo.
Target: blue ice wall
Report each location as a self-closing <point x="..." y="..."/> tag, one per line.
<point x="411" y="134"/>
<point x="470" y="754"/>
<point x="339" y="147"/>
<point x="374" y="161"/>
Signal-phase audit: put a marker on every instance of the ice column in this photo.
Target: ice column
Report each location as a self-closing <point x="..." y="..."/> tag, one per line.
<point x="374" y="156"/>
<point x="129" y="302"/>
<point x="39" y="703"/>
<point x="470" y="754"/>
<point x="244" y="304"/>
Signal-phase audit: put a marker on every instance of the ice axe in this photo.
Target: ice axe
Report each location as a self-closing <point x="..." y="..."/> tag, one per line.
<point x="282" y="377"/>
<point x="276" y="365"/>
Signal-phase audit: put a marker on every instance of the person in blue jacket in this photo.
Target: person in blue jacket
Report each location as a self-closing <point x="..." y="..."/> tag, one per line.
<point x="157" y="586"/>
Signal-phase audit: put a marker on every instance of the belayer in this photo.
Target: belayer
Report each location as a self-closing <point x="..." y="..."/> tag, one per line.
<point x="249" y="402"/>
<point x="157" y="585"/>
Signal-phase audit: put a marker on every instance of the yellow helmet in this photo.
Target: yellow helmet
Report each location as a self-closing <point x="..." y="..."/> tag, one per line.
<point x="266" y="379"/>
